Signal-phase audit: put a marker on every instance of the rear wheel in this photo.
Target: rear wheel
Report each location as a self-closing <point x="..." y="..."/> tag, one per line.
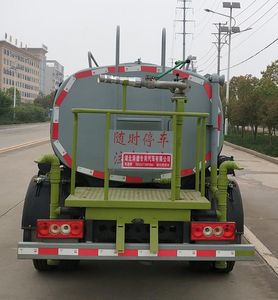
<point x="227" y="269"/>
<point x="42" y="265"/>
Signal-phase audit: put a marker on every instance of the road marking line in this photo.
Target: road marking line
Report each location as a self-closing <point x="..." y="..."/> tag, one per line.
<point x="24" y="145"/>
<point x="264" y="252"/>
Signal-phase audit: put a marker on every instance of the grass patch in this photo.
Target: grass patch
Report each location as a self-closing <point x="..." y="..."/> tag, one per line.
<point x="261" y="144"/>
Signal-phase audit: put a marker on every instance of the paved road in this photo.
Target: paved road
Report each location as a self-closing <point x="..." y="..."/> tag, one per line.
<point x="259" y="187"/>
<point x="116" y="280"/>
<point x="11" y="135"/>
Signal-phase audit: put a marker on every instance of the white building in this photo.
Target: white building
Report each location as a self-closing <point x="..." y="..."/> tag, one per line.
<point x="54" y="75"/>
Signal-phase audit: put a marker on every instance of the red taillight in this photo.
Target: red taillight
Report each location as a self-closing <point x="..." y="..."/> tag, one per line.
<point x="214" y="231"/>
<point x="60" y="229"/>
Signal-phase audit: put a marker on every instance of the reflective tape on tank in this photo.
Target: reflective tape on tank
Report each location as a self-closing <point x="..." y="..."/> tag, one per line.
<point x="100" y="174"/>
<point x="219" y="121"/>
<point x="63" y="152"/>
<point x="69" y="83"/>
<point x="99" y="71"/>
<point x="196" y="79"/>
<point x="55" y="113"/>
<point x="60" y="148"/>
<point x="133" y="68"/>
<point x="55" y="123"/>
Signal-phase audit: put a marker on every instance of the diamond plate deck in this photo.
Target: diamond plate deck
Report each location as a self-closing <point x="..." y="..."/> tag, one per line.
<point x="136" y="197"/>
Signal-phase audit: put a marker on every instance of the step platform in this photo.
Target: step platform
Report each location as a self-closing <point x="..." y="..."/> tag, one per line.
<point x="136" y="198"/>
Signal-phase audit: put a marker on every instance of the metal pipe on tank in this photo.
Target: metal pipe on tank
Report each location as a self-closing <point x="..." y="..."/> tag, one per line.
<point x="117" y="46"/>
<point x="214" y="133"/>
<point x="163" y="49"/>
<point x="141" y="82"/>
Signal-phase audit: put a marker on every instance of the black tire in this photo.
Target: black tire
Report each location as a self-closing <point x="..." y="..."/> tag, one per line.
<point x="235" y="209"/>
<point x="41" y="265"/>
<point x="228" y="269"/>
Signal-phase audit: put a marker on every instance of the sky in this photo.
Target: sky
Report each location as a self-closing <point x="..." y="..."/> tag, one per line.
<point x="71" y="28"/>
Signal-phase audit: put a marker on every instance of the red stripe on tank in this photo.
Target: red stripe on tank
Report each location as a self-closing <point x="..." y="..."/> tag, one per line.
<point x="181" y="74"/>
<point x="208" y="156"/>
<point x="83" y="74"/>
<point x="68" y="159"/>
<point x="60" y="98"/>
<point x="134" y="179"/>
<point x="111" y="69"/>
<point x="208" y="90"/>
<point x="55" y="131"/>
<point x="219" y="122"/>
<point x="150" y="69"/>
<point x="121" y="69"/>
<point x="186" y="172"/>
<point x="98" y="174"/>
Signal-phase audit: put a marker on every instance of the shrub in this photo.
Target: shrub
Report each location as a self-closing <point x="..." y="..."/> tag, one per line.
<point x="29" y="113"/>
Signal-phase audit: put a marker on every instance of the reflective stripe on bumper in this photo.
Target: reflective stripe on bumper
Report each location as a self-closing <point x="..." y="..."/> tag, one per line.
<point x="94" y="251"/>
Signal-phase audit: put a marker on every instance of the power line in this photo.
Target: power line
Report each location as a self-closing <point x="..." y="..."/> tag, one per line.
<point x="254" y="12"/>
<point x="206" y="22"/>
<point x="249" y="36"/>
<point x="213" y="55"/>
<point x="207" y="67"/>
<point x="263" y="15"/>
<point x="245" y="9"/>
<point x="252" y="56"/>
<point x="202" y="57"/>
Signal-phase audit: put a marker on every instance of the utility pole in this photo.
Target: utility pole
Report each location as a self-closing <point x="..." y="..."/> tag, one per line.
<point x="184" y="8"/>
<point x="14" y="68"/>
<point x="219" y="44"/>
<point x="229" y="5"/>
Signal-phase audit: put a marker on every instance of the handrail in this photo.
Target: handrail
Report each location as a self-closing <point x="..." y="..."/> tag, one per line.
<point x="175" y="185"/>
<point x="139" y="112"/>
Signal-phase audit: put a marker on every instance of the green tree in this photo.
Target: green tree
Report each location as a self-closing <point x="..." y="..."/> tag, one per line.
<point x="28" y="113"/>
<point x="10" y="93"/>
<point x="271" y="72"/>
<point x="244" y="106"/>
<point x="268" y="91"/>
<point x="5" y="103"/>
<point x="45" y="101"/>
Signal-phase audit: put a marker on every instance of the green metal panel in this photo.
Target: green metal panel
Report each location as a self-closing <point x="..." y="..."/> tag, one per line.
<point x="128" y="214"/>
<point x="245" y="253"/>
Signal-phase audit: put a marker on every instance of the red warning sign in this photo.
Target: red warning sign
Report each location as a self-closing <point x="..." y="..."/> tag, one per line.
<point x="132" y="160"/>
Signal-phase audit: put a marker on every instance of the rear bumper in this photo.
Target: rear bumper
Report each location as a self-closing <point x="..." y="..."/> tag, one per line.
<point x="105" y="251"/>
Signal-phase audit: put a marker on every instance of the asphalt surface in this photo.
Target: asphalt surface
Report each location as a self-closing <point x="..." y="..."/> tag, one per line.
<point x="11" y="135"/>
<point x="133" y="280"/>
<point x="259" y="188"/>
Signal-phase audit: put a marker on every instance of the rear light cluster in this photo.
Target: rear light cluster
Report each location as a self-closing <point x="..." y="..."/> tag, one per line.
<point x="204" y="231"/>
<point x="60" y="229"/>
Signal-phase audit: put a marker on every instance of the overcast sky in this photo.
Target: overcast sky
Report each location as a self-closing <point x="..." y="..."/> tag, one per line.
<point x="70" y="28"/>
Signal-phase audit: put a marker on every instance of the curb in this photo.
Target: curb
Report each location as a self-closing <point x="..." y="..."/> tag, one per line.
<point x="253" y="152"/>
